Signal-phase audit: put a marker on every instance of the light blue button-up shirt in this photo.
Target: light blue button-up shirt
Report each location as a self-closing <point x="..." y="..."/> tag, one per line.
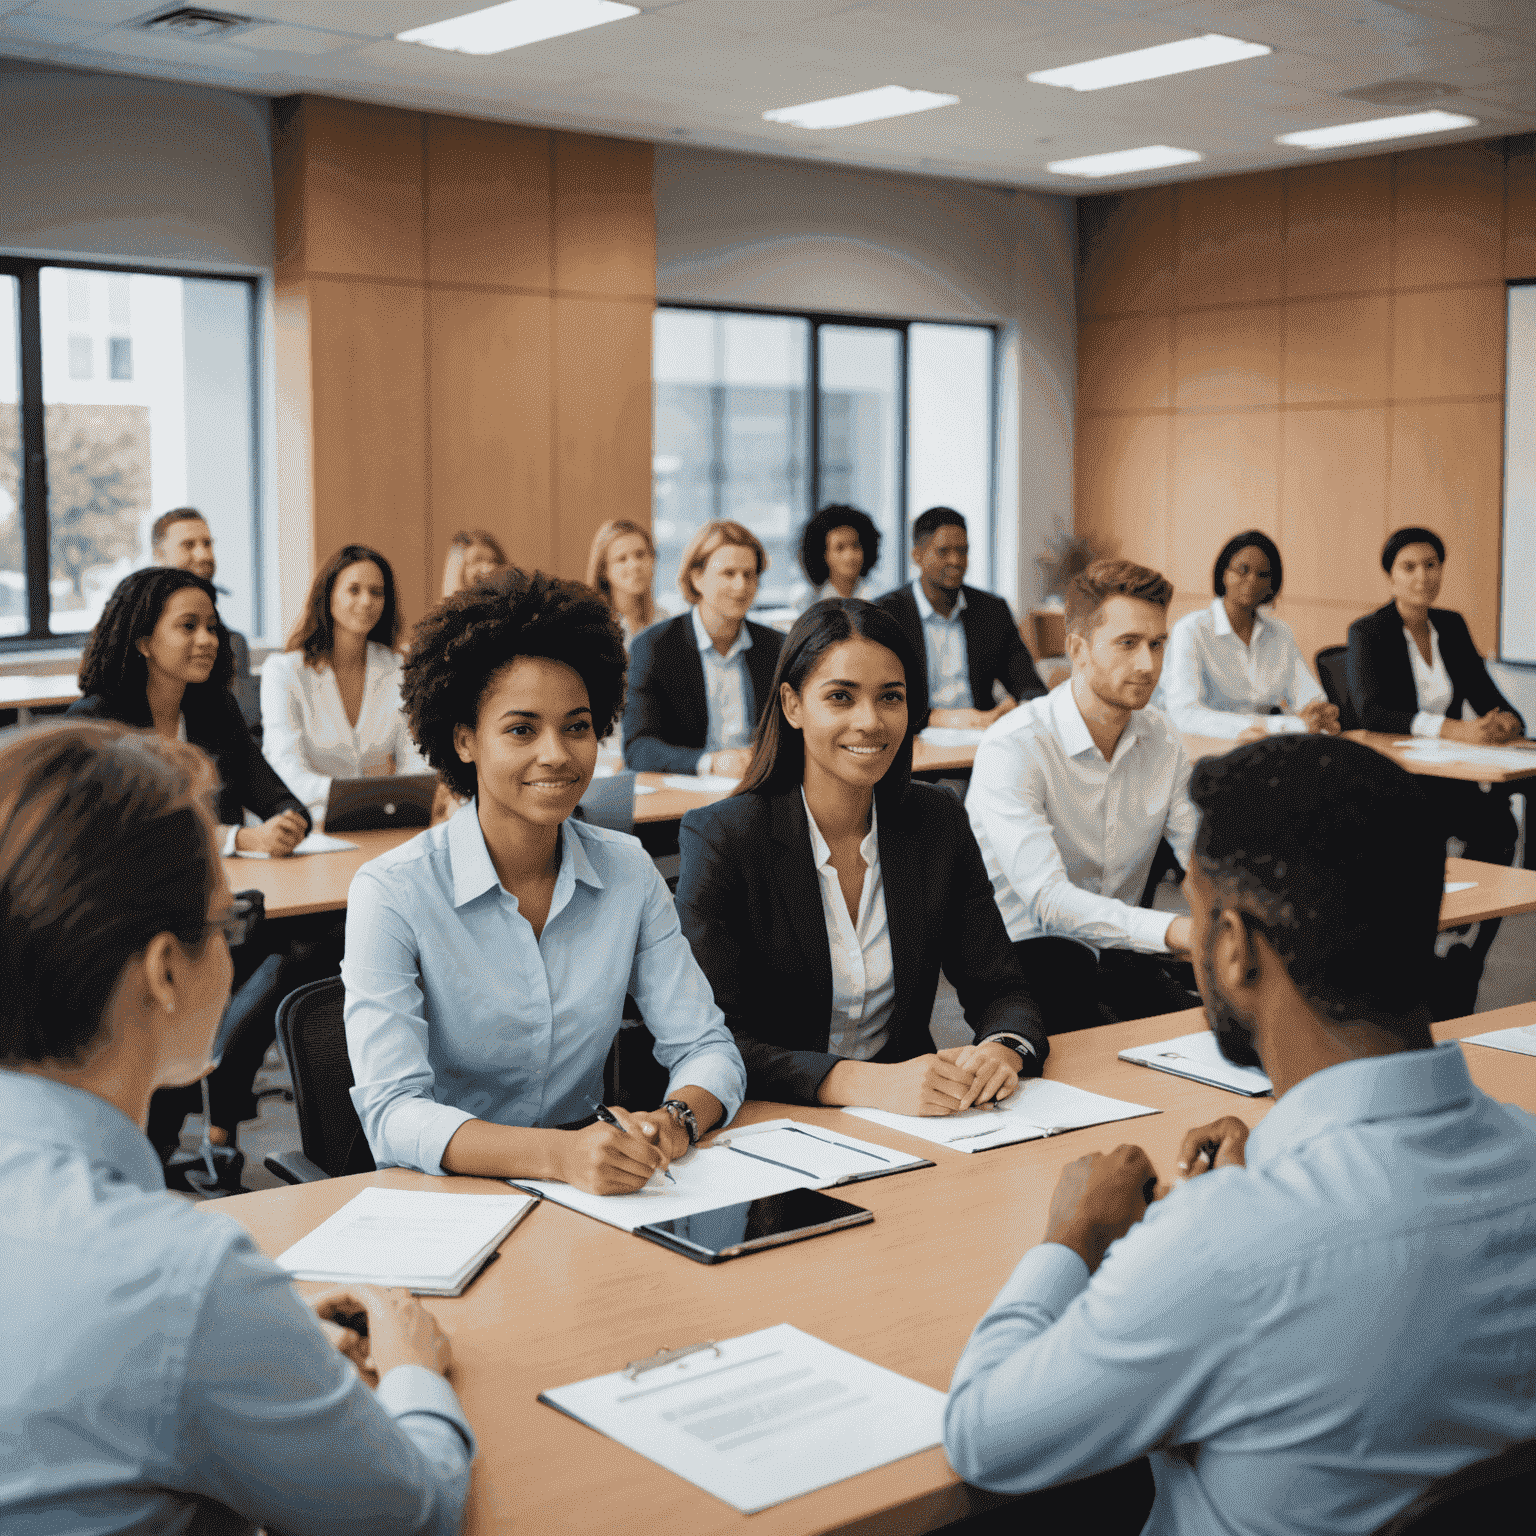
<point x="1303" y="1344"/>
<point x="456" y="1012"/>
<point x="727" y="690"/>
<point x="159" y="1374"/>
<point x="949" y="658"/>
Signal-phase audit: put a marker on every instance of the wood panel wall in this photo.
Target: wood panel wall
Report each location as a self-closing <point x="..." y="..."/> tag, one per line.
<point x="1318" y="353"/>
<point x="464" y="335"/>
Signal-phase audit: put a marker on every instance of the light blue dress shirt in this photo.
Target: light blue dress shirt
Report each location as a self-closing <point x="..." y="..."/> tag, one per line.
<point x="159" y="1374"/>
<point x="1303" y="1344"/>
<point x="456" y="1012"/>
<point x="727" y="691"/>
<point x="949" y="658"/>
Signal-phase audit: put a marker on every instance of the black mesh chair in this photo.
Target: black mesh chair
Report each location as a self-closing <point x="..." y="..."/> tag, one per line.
<point x="1335" y="680"/>
<point x="313" y="1041"/>
<point x="1487" y="1496"/>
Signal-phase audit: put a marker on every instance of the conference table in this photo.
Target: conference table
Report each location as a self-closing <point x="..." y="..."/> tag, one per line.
<point x="572" y="1298"/>
<point x="24" y="694"/>
<point x="1387" y="744"/>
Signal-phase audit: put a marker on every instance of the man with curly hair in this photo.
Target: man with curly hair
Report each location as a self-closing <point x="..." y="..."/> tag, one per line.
<point x="487" y="960"/>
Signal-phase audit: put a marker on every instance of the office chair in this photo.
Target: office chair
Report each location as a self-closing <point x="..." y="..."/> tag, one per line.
<point x="1487" y="1496"/>
<point x="610" y="802"/>
<point x="313" y="1041"/>
<point x="1335" y="680"/>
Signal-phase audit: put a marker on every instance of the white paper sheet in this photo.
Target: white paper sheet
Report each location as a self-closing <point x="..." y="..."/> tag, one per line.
<point x="1432" y="749"/>
<point x="1040" y="1107"/>
<point x="314" y="842"/>
<point x="1452" y="886"/>
<point x="1197" y="1056"/>
<point x="715" y="783"/>
<point x="733" y="1170"/>
<point x="1521" y="1039"/>
<point x="763" y="1418"/>
<point x="950" y="736"/>
<point x="645" y="789"/>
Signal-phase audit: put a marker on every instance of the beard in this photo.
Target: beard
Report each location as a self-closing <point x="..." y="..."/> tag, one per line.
<point x="1234" y="1039"/>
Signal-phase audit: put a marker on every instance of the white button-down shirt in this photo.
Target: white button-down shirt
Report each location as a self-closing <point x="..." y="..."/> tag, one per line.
<point x="307" y="737"/>
<point x="1214" y="685"/>
<point x="727" y="689"/>
<point x="949" y="661"/>
<point x="863" y="973"/>
<point x="1068" y="838"/>
<point x="1431" y="682"/>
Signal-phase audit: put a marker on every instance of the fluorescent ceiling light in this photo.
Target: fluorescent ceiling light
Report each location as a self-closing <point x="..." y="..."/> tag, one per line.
<point x="515" y="24"/>
<point x="1149" y="158"/>
<point x="861" y="107"/>
<point x="1151" y="63"/>
<point x="1378" y="128"/>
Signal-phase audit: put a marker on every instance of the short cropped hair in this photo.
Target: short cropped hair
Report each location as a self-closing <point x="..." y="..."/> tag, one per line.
<point x="106" y="840"/>
<point x="1406" y="536"/>
<point x="457" y="650"/>
<point x="1334" y="852"/>
<point x="1234" y="546"/>
<point x="714" y="535"/>
<point x="813" y="540"/>
<point x="1090" y="589"/>
<point x="929" y="523"/>
<point x="163" y="524"/>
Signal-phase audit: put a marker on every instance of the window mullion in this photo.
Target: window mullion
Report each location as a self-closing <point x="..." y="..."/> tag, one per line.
<point x="34" y="457"/>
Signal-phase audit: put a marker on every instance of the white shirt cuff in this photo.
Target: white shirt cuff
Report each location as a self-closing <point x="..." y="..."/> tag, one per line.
<point x="1284" y="725"/>
<point x="701" y="768"/>
<point x="230" y="834"/>
<point x="1049" y="1276"/>
<point x="415" y="1389"/>
<point x="1426" y="725"/>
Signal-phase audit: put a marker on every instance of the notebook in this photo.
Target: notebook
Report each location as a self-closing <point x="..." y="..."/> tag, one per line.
<point x="1198" y="1057"/>
<point x="422" y="1241"/>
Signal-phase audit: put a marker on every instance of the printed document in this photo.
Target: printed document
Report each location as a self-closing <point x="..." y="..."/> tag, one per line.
<point x="763" y="1418"/>
<point x="1038" y="1107"/>
<point x="1432" y="749"/>
<point x="314" y="842"/>
<point x="1521" y="1040"/>
<point x="1197" y="1056"/>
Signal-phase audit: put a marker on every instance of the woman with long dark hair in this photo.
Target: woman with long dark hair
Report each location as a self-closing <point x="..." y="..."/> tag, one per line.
<point x="824" y="896"/>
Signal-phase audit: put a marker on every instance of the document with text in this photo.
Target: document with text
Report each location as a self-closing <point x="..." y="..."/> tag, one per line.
<point x="1199" y="1058"/>
<point x="762" y="1418"/>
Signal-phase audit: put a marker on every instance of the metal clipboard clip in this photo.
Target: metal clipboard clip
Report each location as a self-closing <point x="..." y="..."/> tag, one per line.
<point x="637" y="1368"/>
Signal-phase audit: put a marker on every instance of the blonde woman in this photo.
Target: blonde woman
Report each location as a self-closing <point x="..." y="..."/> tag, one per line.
<point x="473" y="555"/>
<point x="621" y="569"/>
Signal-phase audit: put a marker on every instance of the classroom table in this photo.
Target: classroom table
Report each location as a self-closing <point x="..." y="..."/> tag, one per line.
<point x="571" y="1298"/>
<point x="1382" y="741"/>
<point x="311" y="882"/>
<point x="1498" y="892"/>
<point x="24" y="694"/>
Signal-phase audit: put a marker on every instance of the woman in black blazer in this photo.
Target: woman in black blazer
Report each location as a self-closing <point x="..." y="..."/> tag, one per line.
<point x="1412" y="667"/>
<point x="159" y="658"/>
<point x="823" y="897"/>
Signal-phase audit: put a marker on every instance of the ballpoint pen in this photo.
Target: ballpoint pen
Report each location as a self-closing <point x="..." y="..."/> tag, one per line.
<point x="608" y="1117"/>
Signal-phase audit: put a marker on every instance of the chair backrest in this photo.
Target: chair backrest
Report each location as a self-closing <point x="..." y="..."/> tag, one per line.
<point x="610" y="802"/>
<point x="1477" y="1498"/>
<point x="1335" y="680"/>
<point x="313" y="1041"/>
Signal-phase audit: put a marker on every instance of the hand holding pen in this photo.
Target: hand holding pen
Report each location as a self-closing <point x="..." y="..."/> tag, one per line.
<point x="1217" y="1145"/>
<point x="633" y="1128"/>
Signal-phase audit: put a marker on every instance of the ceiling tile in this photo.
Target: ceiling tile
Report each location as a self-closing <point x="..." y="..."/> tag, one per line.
<point x="281" y="39"/>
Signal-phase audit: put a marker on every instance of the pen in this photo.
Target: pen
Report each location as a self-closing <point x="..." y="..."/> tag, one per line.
<point x="608" y="1117"/>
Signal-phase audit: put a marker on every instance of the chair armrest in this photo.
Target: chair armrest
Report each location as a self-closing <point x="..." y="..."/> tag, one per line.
<point x="294" y="1168"/>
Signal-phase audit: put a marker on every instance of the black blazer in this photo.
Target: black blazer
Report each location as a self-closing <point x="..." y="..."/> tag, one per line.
<point x="214" y="723"/>
<point x="750" y="904"/>
<point x="666" y="715"/>
<point x="993" y="646"/>
<point x="1381" y="675"/>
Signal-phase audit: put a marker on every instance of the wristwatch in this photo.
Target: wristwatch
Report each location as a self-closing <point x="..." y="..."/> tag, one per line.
<point x="685" y="1118"/>
<point x="1014" y="1042"/>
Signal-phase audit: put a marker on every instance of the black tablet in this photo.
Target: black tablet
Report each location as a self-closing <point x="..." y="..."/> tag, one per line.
<point x="729" y="1231"/>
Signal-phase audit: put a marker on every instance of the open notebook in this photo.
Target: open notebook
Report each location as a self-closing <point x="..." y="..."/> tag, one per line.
<point x="432" y="1244"/>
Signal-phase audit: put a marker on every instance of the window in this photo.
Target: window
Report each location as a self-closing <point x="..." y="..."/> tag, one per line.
<point x="900" y="418"/>
<point x="122" y="395"/>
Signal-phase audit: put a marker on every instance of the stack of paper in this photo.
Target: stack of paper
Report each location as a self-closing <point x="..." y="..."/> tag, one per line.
<point x="1521" y="1039"/>
<point x="950" y="736"/>
<point x="1036" y="1108"/>
<point x="714" y="783"/>
<point x="1198" y="1057"/>
<point x="430" y="1243"/>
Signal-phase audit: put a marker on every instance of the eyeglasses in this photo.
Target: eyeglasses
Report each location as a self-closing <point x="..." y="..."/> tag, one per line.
<point x="240" y="921"/>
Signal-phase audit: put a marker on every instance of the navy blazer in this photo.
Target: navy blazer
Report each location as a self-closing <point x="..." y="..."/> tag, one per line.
<point x="214" y="723"/>
<point x="749" y="900"/>
<point x="994" y="648"/>
<point x="1381" y="675"/>
<point x="666" y="714"/>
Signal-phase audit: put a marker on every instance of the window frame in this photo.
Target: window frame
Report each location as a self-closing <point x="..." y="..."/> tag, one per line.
<point x="815" y="319"/>
<point x="33" y="482"/>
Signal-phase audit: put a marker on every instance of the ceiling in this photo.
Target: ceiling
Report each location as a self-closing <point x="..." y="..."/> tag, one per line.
<point x="704" y="71"/>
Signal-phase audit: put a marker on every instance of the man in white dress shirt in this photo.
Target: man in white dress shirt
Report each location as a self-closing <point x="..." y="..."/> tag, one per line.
<point x="1069" y="799"/>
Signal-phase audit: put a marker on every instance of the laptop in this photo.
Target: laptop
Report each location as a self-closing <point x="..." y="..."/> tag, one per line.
<point x="374" y="804"/>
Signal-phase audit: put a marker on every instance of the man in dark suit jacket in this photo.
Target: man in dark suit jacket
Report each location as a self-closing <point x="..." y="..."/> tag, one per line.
<point x="983" y="647"/>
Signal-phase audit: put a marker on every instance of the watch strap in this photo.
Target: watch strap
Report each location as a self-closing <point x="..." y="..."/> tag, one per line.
<point x="1014" y="1042"/>
<point x="685" y="1117"/>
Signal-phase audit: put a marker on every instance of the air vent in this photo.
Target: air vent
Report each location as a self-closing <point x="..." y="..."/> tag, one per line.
<point x="1401" y="93"/>
<point x="192" y="24"/>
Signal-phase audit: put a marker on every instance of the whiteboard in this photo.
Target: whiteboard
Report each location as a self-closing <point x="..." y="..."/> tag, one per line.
<point x="1517" y="608"/>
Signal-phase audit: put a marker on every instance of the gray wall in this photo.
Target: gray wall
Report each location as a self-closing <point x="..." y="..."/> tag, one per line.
<point x="739" y="229"/>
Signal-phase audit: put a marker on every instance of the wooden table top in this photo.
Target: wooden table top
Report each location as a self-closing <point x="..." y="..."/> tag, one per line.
<point x="1382" y="741"/>
<point x="572" y="1298"/>
<point x="313" y="882"/>
<point x="1499" y="892"/>
<point x="19" y="692"/>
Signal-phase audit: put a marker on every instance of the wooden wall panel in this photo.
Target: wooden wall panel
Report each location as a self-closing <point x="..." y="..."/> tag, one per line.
<point x="605" y="218"/>
<point x="1520" y="207"/>
<point x="1333" y="504"/>
<point x="1226" y="477"/>
<point x="1338" y="350"/>
<point x="489" y="218"/>
<point x="1448" y="219"/>
<point x="1121" y="480"/>
<point x="1218" y="365"/>
<point x="1338" y="227"/>
<point x="1124" y="365"/>
<point x="1448" y="341"/>
<point x="1125" y="253"/>
<point x="1229" y="236"/>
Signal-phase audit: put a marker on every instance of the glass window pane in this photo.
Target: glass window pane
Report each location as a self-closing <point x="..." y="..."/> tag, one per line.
<point x="13" y="552"/>
<point x="162" y="419"/>
<point x="860" y="433"/>
<point x="949" y="419"/>
<point x="730" y="437"/>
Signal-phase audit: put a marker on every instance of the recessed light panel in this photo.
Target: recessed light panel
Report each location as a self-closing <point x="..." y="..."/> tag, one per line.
<point x="1150" y="157"/>
<point x="516" y="24"/>
<point x="1151" y="63"/>
<point x="861" y="107"/>
<point x="1378" y="128"/>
